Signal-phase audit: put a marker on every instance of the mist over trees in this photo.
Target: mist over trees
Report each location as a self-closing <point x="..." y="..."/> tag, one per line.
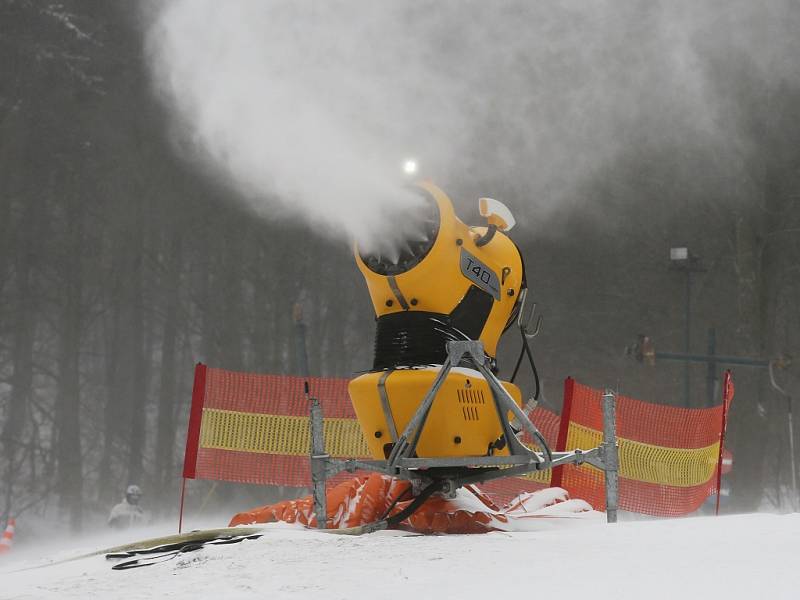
<point x="123" y="263"/>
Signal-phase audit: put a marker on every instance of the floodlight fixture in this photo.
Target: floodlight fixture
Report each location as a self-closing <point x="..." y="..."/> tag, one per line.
<point x="410" y="167"/>
<point x="679" y="253"/>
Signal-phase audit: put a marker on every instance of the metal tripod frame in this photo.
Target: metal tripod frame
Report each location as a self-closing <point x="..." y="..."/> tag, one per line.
<point x="452" y="472"/>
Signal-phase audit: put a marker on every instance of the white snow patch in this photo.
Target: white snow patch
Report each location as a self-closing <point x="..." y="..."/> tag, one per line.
<point x="733" y="557"/>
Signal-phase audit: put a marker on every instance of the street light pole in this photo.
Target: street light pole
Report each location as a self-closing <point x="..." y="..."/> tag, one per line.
<point x="688" y="344"/>
<point x="711" y="378"/>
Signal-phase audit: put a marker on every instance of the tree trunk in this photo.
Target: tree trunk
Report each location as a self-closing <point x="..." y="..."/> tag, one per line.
<point x="22" y="354"/>
<point x="112" y="409"/>
<point x="748" y="418"/>
<point x="165" y="475"/>
<point x="67" y="410"/>
<point x="136" y="340"/>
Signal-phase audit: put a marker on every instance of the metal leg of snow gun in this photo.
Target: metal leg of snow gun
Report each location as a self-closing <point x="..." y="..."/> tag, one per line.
<point x="446" y="475"/>
<point x="318" y="464"/>
<point x="610" y="455"/>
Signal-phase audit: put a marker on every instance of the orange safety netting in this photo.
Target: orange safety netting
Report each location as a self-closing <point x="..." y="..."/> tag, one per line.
<point x="252" y="428"/>
<point x="668" y="455"/>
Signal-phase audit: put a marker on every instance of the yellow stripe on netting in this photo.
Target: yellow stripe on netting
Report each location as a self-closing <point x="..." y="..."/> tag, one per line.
<point x="277" y="434"/>
<point x="680" y="467"/>
<point x="538" y="476"/>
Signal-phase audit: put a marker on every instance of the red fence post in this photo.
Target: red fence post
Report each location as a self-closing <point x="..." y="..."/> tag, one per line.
<point x="561" y="443"/>
<point x="195" y="417"/>
<point x="180" y="511"/>
<point x="193" y="433"/>
<point x="727" y="396"/>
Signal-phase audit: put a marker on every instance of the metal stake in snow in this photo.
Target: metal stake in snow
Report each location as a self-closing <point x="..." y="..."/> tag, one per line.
<point x="610" y="455"/>
<point x="318" y="462"/>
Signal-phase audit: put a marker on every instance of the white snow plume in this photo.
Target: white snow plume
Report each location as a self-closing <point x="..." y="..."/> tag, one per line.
<point x="312" y="107"/>
<point x="288" y="103"/>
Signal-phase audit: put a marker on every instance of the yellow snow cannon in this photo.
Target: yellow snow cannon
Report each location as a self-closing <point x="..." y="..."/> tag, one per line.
<point x="432" y="409"/>
<point x="450" y="282"/>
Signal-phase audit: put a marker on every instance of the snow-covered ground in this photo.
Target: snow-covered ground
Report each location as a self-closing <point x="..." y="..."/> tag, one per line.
<point x="745" y="556"/>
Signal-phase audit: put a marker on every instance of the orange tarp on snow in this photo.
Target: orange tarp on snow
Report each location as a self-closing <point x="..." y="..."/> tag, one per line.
<point x="364" y="500"/>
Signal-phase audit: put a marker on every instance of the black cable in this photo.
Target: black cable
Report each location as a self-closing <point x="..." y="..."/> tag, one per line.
<point x="382" y="524"/>
<point x="173" y="551"/>
<point x="526" y="349"/>
<point x="409" y="510"/>
<point x="519" y="362"/>
<point x="486" y="237"/>
<point x="400" y="496"/>
<point x="533" y="367"/>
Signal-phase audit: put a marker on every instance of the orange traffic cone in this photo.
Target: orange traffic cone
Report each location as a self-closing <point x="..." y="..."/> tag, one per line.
<point x="8" y="537"/>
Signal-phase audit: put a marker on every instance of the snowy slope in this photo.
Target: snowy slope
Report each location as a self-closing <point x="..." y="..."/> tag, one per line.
<point x="746" y="556"/>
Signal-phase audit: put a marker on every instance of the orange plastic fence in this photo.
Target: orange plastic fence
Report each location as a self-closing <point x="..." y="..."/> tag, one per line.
<point x="252" y="428"/>
<point x="668" y="455"/>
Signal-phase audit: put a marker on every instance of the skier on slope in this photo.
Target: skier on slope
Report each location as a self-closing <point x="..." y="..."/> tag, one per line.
<point x="128" y="513"/>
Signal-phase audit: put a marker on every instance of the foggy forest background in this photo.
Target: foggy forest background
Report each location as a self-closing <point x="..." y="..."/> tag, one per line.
<point x="123" y="262"/>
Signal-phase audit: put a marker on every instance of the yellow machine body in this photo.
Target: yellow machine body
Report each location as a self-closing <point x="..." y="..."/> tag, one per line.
<point x="462" y="422"/>
<point x="437" y="283"/>
<point x="469" y="281"/>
